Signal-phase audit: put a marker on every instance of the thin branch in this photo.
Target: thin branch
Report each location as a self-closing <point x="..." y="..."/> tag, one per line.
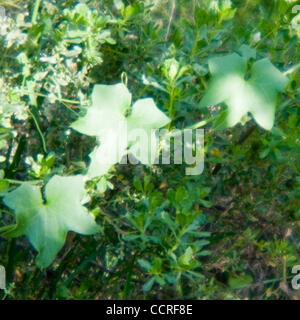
<point x="173" y="7"/>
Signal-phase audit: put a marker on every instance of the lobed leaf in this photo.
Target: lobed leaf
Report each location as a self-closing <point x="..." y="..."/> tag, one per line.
<point x="257" y="95"/>
<point x="46" y="224"/>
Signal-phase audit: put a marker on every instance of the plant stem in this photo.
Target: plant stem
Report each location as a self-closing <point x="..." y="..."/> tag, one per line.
<point x="7" y="228"/>
<point x="171" y="103"/>
<point x="39" y="131"/>
<point x="173" y="6"/>
<point x="10" y="263"/>
<point x="35" y="11"/>
<point x="9" y="172"/>
<point x="292" y="69"/>
<point x="58" y="99"/>
<point x="128" y="278"/>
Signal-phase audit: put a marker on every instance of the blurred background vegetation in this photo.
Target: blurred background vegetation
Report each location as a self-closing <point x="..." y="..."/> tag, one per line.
<point x="229" y="233"/>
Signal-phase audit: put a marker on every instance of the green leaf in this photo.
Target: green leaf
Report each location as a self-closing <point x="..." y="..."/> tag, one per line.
<point x="156" y="265"/>
<point x="240" y="282"/>
<point x="257" y="95"/>
<point x="181" y="194"/>
<point x="144" y="264"/>
<point x="170" y="68"/>
<point x="247" y="52"/>
<point x="204" y="253"/>
<point x="106" y="119"/>
<point x="185" y="259"/>
<point x="109" y="103"/>
<point x="148" y="285"/>
<point x="146" y="115"/>
<point x="46" y="224"/>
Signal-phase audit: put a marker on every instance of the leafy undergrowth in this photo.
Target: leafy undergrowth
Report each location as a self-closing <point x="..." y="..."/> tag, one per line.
<point x="73" y="228"/>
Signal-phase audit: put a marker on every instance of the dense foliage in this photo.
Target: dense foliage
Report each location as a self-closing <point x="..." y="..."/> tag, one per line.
<point x="71" y="71"/>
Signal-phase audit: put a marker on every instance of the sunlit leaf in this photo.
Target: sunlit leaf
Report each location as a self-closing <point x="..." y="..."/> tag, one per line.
<point x="46" y="224"/>
<point x="258" y="95"/>
<point x="107" y="119"/>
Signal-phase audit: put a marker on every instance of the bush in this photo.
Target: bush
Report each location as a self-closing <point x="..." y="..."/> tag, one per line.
<point x="73" y="227"/>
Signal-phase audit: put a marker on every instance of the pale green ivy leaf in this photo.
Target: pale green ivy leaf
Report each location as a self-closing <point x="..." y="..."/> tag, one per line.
<point x="46" y="224"/>
<point x="109" y="104"/>
<point x="258" y="95"/>
<point x="107" y="119"/>
<point x="145" y="116"/>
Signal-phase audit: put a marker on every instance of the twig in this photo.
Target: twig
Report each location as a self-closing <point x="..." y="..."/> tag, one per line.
<point x="171" y="18"/>
<point x="39" y="131"/>
<point x="35" y="11"/>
